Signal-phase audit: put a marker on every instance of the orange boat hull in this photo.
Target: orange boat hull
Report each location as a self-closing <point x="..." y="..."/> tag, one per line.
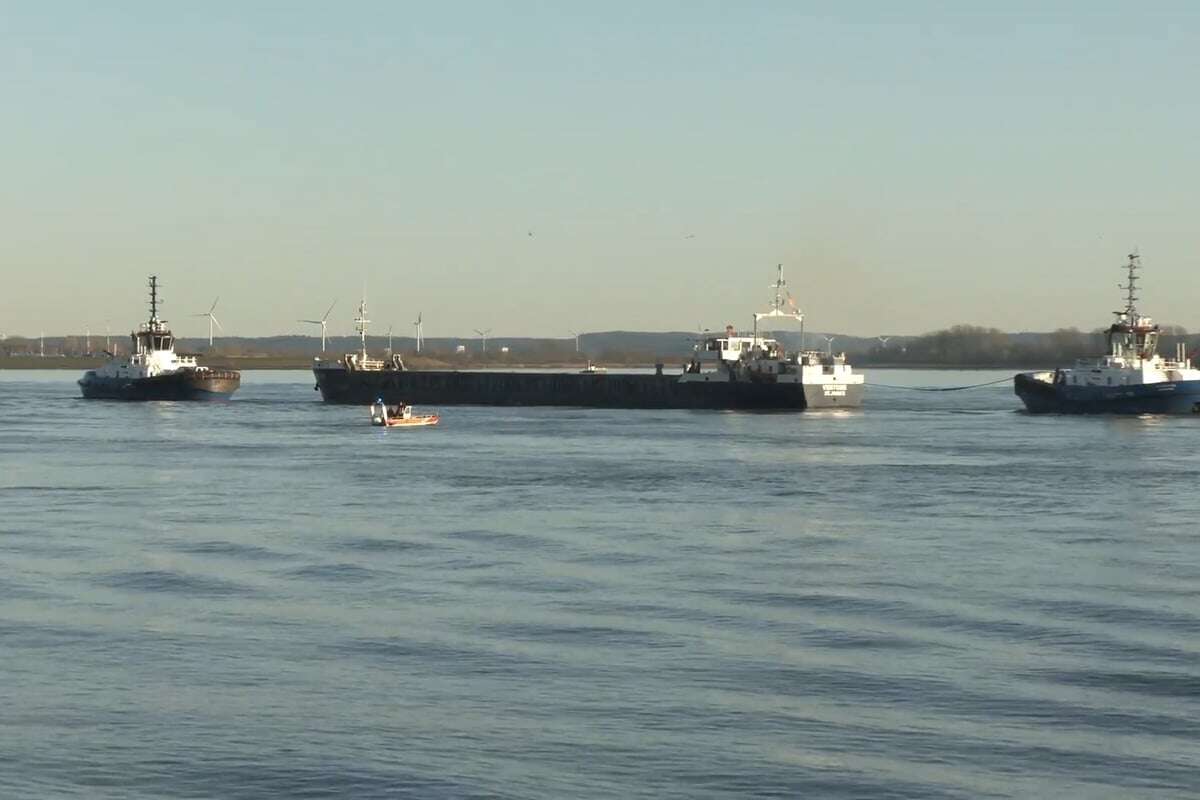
<point x="413" y="422"/>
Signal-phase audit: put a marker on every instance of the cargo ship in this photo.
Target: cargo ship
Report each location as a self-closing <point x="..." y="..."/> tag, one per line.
<point x="1132" y="378"/>
<point x="154" y="371"/>
<point x="733" y="371"/>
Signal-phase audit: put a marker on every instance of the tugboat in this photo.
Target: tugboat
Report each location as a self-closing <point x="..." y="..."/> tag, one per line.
<point x="730" y="372"/>
<point x="154" y="371"/>
<point x="1131" y="379"/>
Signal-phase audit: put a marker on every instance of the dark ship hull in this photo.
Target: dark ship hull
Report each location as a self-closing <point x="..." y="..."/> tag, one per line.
<point x="1168" y="397"/>
<point x="208" y="384"/>
<point x="445" y="387"/>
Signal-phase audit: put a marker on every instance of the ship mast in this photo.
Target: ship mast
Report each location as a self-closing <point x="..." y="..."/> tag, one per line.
<point x="1132" y="335"/>
<point x="780" y="286"/>
<point x="1130" y="286"/>
<point x="783" y="298"/>
<point x="360" y="324"/>
<point x="153" y="299"/>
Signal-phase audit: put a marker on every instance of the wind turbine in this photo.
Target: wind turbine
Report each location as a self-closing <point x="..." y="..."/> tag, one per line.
<point x="576" y="335"/>
<point x="883" y="340"/>
<point x="323" y="322"/>
<point x="829" y="340"/>
<point x="483" y="335"/>
<point x="417" y="325"/>
<point x="389" y="341"/>
<point x="211" y="320"/>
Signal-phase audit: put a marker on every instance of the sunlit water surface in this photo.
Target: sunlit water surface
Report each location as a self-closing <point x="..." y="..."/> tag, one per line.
<point x="936" y="596"/>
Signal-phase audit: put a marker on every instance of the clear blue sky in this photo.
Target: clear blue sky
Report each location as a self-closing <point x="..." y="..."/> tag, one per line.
<point x="913" y="165"/>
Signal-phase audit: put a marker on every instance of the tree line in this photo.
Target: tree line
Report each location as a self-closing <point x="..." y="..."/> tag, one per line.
<point x="972" y="345"/>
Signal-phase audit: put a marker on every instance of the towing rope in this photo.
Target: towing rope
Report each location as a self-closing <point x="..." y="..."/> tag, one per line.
<point x="939" y="388"/>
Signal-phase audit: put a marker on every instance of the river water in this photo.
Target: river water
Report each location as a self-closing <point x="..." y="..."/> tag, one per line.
<point x="936" y="596"/>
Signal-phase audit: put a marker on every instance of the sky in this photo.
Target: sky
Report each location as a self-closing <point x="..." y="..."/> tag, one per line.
<point x="541" y="167"/>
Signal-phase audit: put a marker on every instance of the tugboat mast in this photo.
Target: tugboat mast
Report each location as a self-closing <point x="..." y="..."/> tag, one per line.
<point x="1132" y="335"/>
<point x="1130" y="287"/>
<point x="153" y="299"/>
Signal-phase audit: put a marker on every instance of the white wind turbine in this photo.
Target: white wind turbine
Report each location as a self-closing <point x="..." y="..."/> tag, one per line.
<point x="417" y="325"/>
<point x="211" y="320"/>
<point x="483" y="335"/>
<point x="323" y="322"/>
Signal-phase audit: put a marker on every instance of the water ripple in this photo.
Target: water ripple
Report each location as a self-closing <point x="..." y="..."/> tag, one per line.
<point x="269" y="598"/>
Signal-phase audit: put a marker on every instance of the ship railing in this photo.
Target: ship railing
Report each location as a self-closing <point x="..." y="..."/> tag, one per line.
<point x="352" y="361"/>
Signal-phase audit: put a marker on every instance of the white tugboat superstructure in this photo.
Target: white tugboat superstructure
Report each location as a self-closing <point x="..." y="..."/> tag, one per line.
<point x="154" y="371"/>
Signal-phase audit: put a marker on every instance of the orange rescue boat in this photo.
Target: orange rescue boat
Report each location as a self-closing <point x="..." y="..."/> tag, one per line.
<point x="400" y="416"/>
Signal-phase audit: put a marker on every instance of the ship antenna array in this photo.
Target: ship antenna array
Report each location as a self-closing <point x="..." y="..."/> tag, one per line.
<point x="780" y="288"/>
<point x="153" y="298"/>
<point x="360" y="322"/>
<point x="782" y="298"/>
<point x="1130" y="285"/>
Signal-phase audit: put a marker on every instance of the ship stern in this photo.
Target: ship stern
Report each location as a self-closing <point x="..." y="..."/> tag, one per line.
<point x="833" y="395"/>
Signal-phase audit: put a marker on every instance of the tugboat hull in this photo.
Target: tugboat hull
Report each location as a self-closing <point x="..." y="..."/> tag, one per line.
<point x="211" y="384"/>
<point x="1045" y="397"/>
